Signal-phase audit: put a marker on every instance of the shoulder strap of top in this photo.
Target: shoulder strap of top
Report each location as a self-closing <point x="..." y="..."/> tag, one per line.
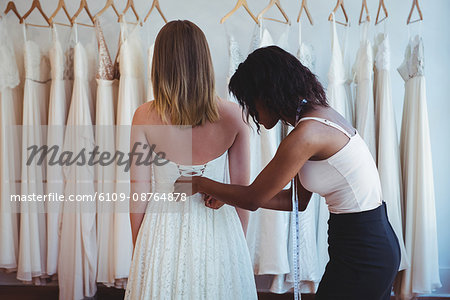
<point x="327" y="122"/>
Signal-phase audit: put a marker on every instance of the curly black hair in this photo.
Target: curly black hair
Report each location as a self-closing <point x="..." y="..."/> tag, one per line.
<point x="279" y="80"/>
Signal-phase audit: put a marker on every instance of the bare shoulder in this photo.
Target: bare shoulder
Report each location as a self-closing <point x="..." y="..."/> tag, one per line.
<point x="145" y="114"/>
<point x="231" y="113"/>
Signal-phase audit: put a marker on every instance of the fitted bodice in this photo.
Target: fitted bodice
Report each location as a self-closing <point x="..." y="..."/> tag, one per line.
<point x="382" y="57"/>
<point x="348" y="180"/>
<point x="37" y="66"/>
<point x="336" y="72"/>
<point x="166" y="175"/>
<point x="106" y="68"/>
<point x="56" y="58"/>
<point x="9" y="72"/>
<point x="131" y="58"/>
<point x="413" y="63"/>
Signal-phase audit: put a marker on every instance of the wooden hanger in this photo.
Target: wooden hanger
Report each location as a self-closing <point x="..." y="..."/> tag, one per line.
<point x="130" y="4"/>
<point x="364" y="8"/>
<point x="415" y="4"/>
<point x="155" y="4"/>
<point x="340" y="3"/>
<point x="36" y="4"/>
<point x="11" y="6"/>
<point x="83" y="5"/>
<point x="61" y="5"/>
<point x="108" y="4"/>
<point x="381" y="5"/>
<point x="269" y="6"/>
<point x="304" y="7"/>
<point x="240" y="3"/>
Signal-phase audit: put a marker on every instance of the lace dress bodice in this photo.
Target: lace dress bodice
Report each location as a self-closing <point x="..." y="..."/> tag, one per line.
<point x="56" y="58"/>
<point x="305" y="52"/>
<point x="382" y="57"/>
<point x="37" y="66"/>
<point x="9" y="72"/>
<point x="413" y="64"/>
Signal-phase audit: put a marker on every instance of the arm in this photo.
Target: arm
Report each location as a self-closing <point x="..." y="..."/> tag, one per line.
<point x="266" y="190"/>
<point x="239" y="163"/>
<point x="140" y="178"/>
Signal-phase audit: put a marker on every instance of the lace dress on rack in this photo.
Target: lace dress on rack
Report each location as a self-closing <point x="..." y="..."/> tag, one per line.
<point x="185" y="250"/>
<point x="308" y="264"/>
<point x="32" y="264"/>
<point x="387" y="140"/>
<point x="336" y="91"/>
<point x="60" y="94"/>
<point x="107" y="89"/>
<point x="10" y="145"/>
<point x="418" y="186"/>
<point x="131" y="96"/>
<point x="267" y="232"/>
<point x="77" y="265"/>
<point x="364" y="103"/>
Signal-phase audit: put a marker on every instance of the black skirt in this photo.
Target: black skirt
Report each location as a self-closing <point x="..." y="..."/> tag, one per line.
<point x="364" y="257"/>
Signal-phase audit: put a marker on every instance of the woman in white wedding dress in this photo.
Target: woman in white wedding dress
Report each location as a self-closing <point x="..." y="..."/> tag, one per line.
<point x="185" y="250"/>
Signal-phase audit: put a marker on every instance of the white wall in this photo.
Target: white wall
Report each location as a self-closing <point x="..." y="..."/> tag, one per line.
<point x="207" y="13"/>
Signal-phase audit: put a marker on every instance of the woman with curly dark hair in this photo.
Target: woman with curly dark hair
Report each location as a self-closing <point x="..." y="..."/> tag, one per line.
<point x="325" y="155"/>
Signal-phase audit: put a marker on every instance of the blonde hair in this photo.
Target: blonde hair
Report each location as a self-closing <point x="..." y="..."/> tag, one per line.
<point x="183" y="75"/>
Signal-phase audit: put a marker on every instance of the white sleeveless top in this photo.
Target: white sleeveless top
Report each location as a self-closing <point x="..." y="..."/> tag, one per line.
<point x="348" y="180"/>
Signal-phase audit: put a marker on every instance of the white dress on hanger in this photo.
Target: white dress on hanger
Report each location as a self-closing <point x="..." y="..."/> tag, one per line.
<point x="32" y="262"/>
<point x="185" y="250"/>
<point x="387" y="140"/>
<point x="77" y="265"/>
<point x="60" y="94"/>
<point x="418" y="186"/>
<point x="309" y="261"/>
<point x="336" y="91"/>
<point x="268" y="230"/>
<point x="107" y="92"/>
<point x="150" y="95"/>
<point x="10" y="145"/>
<point x="131" y="96"/>
<point x="364" y="103"/>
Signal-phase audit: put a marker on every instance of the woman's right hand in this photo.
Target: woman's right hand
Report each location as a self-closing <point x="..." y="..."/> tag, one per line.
<point x="211" y="202"/>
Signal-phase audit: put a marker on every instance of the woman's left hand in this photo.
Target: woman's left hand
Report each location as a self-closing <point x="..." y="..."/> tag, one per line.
<point x="186" y="185"/>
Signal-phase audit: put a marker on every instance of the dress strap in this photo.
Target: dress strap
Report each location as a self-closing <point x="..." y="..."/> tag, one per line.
<point x="327" y="122"/>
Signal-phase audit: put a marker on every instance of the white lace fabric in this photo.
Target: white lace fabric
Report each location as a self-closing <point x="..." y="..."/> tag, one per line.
<point x="8" y="67"/>
<point x="413" y="64"/>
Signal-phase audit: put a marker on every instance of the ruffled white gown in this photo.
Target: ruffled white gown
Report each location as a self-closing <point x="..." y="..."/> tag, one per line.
<point x="32" y="262"/>
<point x="364" y="103"/>
<point x="60" y="94"/>
<point x="387" y="140"/>
<point x="309" y="262"/>
<point x="107" y="92"/>
<point x="77" y="266"/>
<point x="268" y="230"/>
<point x="10" y="145"/>
<point x="185" y="250"/>
<point x="418" y="187"/>
<point x="131" y="96"/>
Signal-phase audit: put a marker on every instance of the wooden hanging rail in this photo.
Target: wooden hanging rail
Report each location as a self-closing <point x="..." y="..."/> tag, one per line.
<point x="304" y="7"/>
<point x="240" y="3"/>
<point x="278" y="5"/>
<point x="416" y="5"/>
<point x="155" y="4"/>
<point x="339" y="4"/>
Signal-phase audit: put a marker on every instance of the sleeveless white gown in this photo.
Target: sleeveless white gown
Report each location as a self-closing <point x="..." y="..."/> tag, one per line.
<point x="364" y="103"/>
<point x="32" y="264"/>
<point x="107" y="92"/>
<point x="388" y="154"/>
<point x="185" y="250"/>
<point x="10" y="145"/>
<point x="60" y="94"/>
<point x="418" y="185"/>
<point x="77" y="265"/>
<point x="131" y="96"/>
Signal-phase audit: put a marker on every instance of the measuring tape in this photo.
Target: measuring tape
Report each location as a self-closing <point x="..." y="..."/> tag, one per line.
<point x="296" y="240"/>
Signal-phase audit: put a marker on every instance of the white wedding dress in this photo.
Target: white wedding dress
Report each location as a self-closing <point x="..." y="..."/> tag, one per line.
<point x="10" y="145"/>
<point x="364" y="103"/>
<point x="77" y="265"/>
<point x="107" y="92"/>
<point x="388" y="154"/>
<point x="185" y="250"/>
<point x="32" y="263"/>
<point x="418" y="187"/>
<point x="60" y="94"/>
<point x="131" y="96"/>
